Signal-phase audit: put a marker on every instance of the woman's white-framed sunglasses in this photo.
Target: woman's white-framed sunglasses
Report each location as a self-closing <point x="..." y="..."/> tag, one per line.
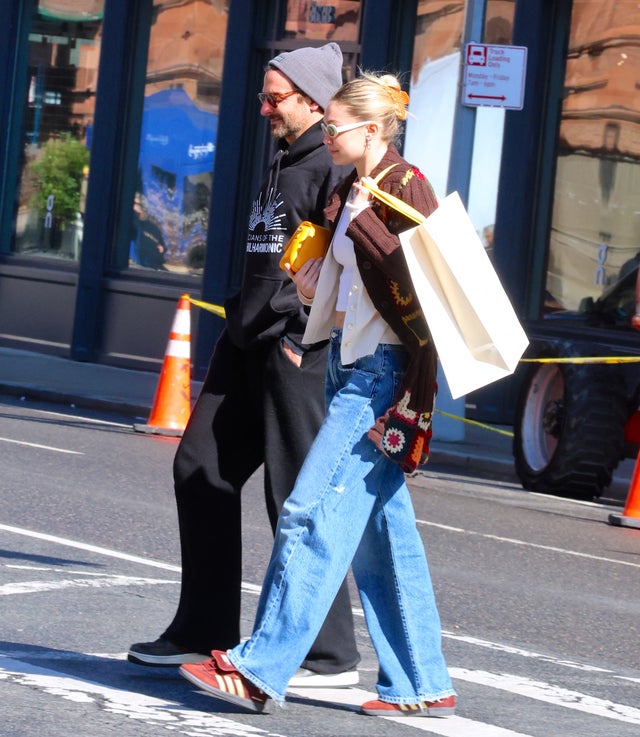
<point x="331" y="130"/>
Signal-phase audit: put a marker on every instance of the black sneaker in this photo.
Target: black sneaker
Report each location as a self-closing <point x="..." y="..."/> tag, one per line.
<point x="163" y="652"/>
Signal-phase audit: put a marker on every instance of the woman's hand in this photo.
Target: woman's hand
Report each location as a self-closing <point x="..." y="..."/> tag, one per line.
<point x="359" y="195"/>
<point x="306" y="277"/>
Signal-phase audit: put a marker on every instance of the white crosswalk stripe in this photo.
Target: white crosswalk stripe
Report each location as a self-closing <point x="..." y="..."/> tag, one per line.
<point x="550" y="694"/>
<point x="449" y="727"/>
<point x="568" y="689"/>
<point x="180" y="719"/>
<point x="81" y="580"/>
<point x="128" y="704"/>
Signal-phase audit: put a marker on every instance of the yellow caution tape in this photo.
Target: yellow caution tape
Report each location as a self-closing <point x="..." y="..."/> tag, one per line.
<point x="578" y="359"/>
<point x="585" y="359"/>
<point x="216" y="309"/>
<point x="508" y="433"/>
<point x="220" y="311"/>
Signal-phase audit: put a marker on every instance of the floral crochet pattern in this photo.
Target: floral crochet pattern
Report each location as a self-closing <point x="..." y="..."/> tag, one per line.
<point x="403" y="434"/>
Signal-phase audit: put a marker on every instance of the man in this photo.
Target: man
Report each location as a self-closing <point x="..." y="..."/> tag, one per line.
<point x="262" y="400"/>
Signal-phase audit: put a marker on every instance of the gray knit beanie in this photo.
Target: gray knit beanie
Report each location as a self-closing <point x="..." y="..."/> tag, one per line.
<point x="317" y="71"/>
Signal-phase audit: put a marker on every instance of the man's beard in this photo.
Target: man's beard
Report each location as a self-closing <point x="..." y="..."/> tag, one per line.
<point x="285" y="129"/>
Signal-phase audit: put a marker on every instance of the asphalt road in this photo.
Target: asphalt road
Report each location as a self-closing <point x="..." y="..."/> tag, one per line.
<point x="538" y="598"/>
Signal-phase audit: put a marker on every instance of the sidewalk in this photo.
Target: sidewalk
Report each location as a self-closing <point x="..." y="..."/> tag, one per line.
<point x="37" y="376"/>
<point x="90" y="385"/>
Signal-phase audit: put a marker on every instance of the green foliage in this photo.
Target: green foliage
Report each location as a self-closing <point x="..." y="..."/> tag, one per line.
<point x="58" y="172"/>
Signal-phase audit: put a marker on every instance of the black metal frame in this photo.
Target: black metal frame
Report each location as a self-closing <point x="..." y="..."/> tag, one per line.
<point x="255" y="32"/>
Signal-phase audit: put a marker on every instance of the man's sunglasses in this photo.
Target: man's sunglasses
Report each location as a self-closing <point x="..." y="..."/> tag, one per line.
<point x="275" y="98"/>
<point x="331" y="130"/>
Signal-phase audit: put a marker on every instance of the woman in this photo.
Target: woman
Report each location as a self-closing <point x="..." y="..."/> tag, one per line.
<point x="350" y="505"/>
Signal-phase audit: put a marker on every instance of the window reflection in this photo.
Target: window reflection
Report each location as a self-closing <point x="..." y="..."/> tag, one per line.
<point x="64" y="48"/>
<point x="434" y="95"/>
<point x="434" y="81"/>
<point x="594" y="247"/>
<point x="170" y="212"/>
<point x="333" y="21"/>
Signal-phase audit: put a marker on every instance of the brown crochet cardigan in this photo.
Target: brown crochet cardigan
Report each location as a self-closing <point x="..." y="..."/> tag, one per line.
<point x="403" y="432"/>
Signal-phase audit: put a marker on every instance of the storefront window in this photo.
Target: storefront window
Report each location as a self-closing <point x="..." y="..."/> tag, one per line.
<point x="489" y="128"/>
<point x="594" y="247"/>
<point x="434" y="82"/>
<point x="170" y="212"/>
<point x="59" y="102"/>
<point x="337" y="21"/>
<point x="434" y="96"/>
<point x="434" y="93"/>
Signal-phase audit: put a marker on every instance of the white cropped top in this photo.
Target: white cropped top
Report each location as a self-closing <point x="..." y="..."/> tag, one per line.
<point x="345" y="255"/>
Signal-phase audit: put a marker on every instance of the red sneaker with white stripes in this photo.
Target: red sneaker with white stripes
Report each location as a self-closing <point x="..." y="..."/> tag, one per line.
<point x="443" y="708"/>
<point x="220" y="678"/>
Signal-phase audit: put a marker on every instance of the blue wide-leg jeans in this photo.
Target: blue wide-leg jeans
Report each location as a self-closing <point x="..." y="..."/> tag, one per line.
<point x="350" y="507"/>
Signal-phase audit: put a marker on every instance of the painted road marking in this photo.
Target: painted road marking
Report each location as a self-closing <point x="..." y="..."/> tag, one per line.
<point x="250" y="588"/>
<point x="90" y="548"/>
<point x="76" y="417"/>
<point x="154" y="712"/>
<point x="172" y="716"/>
<point x="41" y="447"/>
<point x="526" y="544"/>
<point x="510" y="650"/>
<point x="176" y="718"/>
<point x="550" y="694"/>
<point x="254" y="589"/>
<point x="82" y="580"/>
<point x="353" y="698"/>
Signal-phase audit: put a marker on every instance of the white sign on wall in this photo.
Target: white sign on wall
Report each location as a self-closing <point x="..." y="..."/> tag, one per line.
<point x="494" y="76"/>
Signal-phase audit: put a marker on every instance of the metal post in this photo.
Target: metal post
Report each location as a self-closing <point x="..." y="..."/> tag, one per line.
<point x="458" y="180"/>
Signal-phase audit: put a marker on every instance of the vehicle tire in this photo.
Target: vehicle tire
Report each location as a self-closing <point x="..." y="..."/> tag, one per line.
<point x="569" y="428"/>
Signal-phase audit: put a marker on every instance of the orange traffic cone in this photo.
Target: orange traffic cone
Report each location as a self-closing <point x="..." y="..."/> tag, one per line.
<point x="172" y="403"/>
<point x="630" y="516"/>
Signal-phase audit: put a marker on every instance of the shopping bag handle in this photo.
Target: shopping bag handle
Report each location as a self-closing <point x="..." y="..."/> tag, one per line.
<point x="383" y="173"/>
<point x="394" y="202"/>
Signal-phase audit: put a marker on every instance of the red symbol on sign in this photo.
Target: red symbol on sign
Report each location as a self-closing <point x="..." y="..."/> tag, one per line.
<point x="476" y="56"/>
<point x="487" y="97"/>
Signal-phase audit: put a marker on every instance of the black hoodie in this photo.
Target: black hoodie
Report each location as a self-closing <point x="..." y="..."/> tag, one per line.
<point x="296" y="188"/>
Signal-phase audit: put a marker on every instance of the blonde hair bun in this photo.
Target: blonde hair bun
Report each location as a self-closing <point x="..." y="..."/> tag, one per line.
<point x="392" y="87"/>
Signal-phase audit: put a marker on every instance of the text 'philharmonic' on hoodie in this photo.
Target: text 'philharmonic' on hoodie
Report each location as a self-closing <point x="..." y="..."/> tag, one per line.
<point x="296" y="188"/>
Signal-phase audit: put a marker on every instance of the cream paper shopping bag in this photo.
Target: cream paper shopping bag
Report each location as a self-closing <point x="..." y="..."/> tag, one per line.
<point x="476" y="332"/>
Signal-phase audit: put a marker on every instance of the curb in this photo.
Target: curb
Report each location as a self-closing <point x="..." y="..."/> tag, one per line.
<point x="86" y="402"/>
<point x="473" y="464"/>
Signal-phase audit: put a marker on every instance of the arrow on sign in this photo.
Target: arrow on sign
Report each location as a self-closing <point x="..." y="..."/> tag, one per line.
<point x="487" y="97"/>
